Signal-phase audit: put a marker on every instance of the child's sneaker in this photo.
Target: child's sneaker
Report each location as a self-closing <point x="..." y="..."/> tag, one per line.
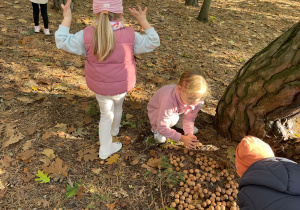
<point x="46" y="31"/>
<point x="159" y="138"/>
<point x="115" y="147"/>
<point x="37" y="29"/>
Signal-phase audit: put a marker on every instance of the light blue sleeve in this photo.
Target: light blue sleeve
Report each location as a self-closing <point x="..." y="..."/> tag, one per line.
<point x="146" y="43"/>
<point x="73" y="43"/>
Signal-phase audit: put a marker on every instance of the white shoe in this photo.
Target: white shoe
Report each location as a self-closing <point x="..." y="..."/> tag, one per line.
<point x="46" y="31"/>
<point x="37" y="29"/>
<point x="116" y="146"/>
<point x="159" y="138"/>
<point x="195" y="130"/>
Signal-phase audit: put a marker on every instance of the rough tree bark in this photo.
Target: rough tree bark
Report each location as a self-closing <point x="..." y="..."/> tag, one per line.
<point x="264" y="98"/>
<point x="193" y="3"/>
<point x="57" y="3"/>
<point x="203" y="14"/>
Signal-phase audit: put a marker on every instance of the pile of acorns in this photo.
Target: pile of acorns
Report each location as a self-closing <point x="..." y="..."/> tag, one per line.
<point x="206" y="186"/>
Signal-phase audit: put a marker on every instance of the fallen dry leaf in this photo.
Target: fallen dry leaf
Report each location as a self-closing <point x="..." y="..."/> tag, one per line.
<point x="96" y="171"/>
<point x="135" y="161"/>
<point x="46" y="161"/>
<point x="112" y="159"/>
<point x="6" y="161"/>
<point x="58" y="177"/>
<point x="87" y="155"/>
<point x="13" y="139"/>
<point x="49" y="153"/>
<point x="2" y="189"/>
<point x="80" y="132"/>
<point x="149" y="168"/>
<point x="79" y="192"/>
<point x="71" y="129"/>
<point x="126" y="141"/>
<point x="110" y="206"/>
<point x="154" y="162"/>
<point x="152" y="153"/>
<point x="135" y="104"/>
<point x="8" y="96"/>
<point x="46" y="136"/>
<point x="28" y="177"/>
<point x="25" y="100"/>
<point x="87" y="120"/>
<point x="61" y="127"/>
<point x="128" y="116"/>
<point x="30" y="131"/>
<point x="26" y="155"/>
<point x="9" y="130"/>
<point x="90" y="157"/>
<point x="27" y="145"/>
<point x="56" y="167"/>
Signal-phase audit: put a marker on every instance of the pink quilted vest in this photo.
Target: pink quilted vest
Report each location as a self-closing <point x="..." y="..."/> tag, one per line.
<point x="117" y="74"/>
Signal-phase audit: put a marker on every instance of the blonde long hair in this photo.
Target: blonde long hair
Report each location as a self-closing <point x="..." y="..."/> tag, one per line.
<point x="104" y="38"/>
<point x="192" y="81"/>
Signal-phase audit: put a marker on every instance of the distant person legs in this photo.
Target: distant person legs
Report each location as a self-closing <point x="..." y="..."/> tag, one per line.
<point x="36" y="14"/>
<point x="44" y="14"/>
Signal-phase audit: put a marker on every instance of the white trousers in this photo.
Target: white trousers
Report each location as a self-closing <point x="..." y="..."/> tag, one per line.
<point x="175" y="119"/>
<point x="110" y="119"/>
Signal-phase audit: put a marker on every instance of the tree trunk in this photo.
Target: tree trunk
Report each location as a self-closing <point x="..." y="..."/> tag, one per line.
<point x="263" y="100"/>
<point x="203" y="14"/>
<point x="57" y="3"/>
<point x="193" y="3"/>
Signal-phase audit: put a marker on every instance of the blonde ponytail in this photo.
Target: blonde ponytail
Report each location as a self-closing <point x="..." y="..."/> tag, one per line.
<point x="104" y="38"/>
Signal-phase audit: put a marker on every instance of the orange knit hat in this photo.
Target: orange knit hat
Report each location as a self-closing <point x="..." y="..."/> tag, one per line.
<point x="250" y="150"/>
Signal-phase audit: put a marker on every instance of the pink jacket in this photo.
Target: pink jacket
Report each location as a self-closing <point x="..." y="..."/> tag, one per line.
<point x="117" y="74"/>
<point x="167" y="102"/>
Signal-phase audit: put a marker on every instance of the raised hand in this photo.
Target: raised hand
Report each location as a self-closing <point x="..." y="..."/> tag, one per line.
<point x="67" y="9"/>
<point x="140" y="16"/>
<point x="67" y="14"/>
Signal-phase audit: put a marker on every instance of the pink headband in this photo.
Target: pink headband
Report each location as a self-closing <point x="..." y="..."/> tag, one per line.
<point x="114" y="6"/>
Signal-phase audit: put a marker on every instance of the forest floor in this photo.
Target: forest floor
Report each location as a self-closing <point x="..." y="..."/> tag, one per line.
<point x="49" y="118"/>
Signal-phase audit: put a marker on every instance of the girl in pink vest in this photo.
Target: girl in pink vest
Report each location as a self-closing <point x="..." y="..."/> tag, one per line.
<point x="110" y="69"/>
<point x="178" y="105"/>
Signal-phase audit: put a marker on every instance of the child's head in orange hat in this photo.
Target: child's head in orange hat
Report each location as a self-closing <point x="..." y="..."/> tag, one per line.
<point x="250" y="150"/>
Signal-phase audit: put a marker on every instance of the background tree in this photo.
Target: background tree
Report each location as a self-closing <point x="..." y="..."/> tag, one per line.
<point x="264" y="97"/>
<point x="193" y="3"/>
<point x="203" y="14"/>
<point x="57" y="3"/>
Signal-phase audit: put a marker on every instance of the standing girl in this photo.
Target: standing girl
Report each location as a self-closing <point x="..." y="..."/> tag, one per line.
<point x="178" y="105"/>
<point x="110" y="69"/>
<point x="36" y="5"/>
